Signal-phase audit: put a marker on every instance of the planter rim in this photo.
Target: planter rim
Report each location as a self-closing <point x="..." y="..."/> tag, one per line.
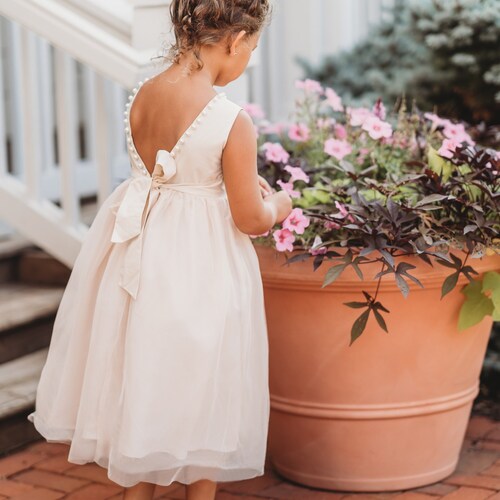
<point x="301" y="276"/>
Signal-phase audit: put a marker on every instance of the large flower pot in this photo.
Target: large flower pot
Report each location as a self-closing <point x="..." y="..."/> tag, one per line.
<point x="388" y="412"/>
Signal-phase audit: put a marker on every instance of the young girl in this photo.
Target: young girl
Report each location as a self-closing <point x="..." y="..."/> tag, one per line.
<point x="158" y="364"/>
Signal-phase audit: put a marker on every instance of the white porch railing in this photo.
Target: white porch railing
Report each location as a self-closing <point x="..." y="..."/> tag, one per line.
<point x="66" y="69"/>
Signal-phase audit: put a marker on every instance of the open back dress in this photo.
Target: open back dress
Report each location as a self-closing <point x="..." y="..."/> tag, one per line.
<point x="158" y="363"/>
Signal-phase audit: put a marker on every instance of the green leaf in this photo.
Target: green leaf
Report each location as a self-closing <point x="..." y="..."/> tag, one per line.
<point x="380" y="320"/>
<point x="332" y="274"/>
<point x="449" y="283"/>
<point x="475" y="307"/>
<point x="356" y="305"/>
<point x="491" y="282"/>
<point x="438" y="164"/>
<point x="359" y="326"/>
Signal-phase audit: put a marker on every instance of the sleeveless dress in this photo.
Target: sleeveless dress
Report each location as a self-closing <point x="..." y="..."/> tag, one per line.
<point x="158" y="363"/>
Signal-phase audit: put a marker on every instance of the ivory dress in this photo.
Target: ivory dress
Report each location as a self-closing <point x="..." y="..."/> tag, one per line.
<point x="158" y="364"/>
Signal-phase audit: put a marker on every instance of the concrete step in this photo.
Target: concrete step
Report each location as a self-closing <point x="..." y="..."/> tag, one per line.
<point x="27" y="315"/>
<point x="18" y="382"/>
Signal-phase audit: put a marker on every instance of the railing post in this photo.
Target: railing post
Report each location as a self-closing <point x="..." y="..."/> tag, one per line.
<point x="66" y="135"/>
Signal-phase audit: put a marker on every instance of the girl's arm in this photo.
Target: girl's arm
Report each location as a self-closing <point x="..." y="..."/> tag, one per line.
<point x="251" y="213"/>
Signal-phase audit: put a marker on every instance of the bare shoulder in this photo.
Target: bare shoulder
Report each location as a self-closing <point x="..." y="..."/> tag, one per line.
<point x="242" y="132"/>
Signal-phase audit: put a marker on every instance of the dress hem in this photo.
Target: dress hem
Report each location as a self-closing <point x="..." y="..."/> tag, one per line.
<point x="163" y="477"/>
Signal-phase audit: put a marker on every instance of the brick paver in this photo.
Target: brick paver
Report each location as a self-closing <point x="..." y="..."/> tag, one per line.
<point x="40" y="471"/>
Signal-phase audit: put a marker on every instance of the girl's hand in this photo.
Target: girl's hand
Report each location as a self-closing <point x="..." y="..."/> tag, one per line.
<point x="265" y="188"/>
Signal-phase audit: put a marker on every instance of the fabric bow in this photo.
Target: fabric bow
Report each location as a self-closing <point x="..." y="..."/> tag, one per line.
<point x="132" y="214"/>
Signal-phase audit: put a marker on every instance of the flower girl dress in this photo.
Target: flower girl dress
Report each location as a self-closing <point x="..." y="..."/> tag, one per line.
<point x="158" y="364"/>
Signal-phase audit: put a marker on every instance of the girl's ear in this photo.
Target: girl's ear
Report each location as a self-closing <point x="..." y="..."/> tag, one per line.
<point x="236" y="41"/>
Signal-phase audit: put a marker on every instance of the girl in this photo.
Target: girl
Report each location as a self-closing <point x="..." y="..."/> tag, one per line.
<point x="157" y="368"/>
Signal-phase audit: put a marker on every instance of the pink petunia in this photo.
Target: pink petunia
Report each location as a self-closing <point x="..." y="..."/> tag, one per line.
<point x="297" y="174"/>
<point x="333" y="99"/>
<point x="329" y="224"/>
<point x="357" y="116"/>
<point x="275" y="152"/>
<point x="378" y="109"/>
<point x="284" y="239"/>
<point x="273" y="128"/>
<point x="342" y="209"/>
<point x="337" y="149"/>
<point x="457" y="132"/>
<point x="314" y="250"/>
<point x="448" y="147"/>
<point x="309" y="85"/>
<point x="296" y="221"/>
<point x="377" y="128"/>
<point x="288" y="187"/>
<point x="299" y="132"/>
<point x="436" y="120"/>
<point x="254" y="110"/>
<point x="340" y="131"/>
<point x="325" y="122"/>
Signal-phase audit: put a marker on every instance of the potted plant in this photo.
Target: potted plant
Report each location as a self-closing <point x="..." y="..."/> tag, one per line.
<point x="380" y="290"/>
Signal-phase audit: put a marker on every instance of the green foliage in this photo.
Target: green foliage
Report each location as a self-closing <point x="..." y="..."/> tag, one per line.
<point x="439" y="53"/>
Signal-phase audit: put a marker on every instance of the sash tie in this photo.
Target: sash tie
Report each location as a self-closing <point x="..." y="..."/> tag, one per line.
<point x="134" y="208"/>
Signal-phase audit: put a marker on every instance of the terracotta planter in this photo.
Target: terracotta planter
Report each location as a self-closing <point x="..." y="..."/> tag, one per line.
<point x="390" y="411"/>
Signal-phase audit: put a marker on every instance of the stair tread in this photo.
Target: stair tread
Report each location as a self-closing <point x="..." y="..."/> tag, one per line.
<point x="22" y="303"/>
<point x="18" y="382"/>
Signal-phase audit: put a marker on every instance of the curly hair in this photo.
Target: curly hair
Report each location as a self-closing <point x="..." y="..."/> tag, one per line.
<point x="207" y="22"/>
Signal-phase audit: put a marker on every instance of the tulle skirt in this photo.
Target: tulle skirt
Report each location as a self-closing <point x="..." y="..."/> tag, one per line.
<point x="172" y="385"/>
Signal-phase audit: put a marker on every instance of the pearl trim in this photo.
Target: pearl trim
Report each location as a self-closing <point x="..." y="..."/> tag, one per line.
<point x="187" y="133"/>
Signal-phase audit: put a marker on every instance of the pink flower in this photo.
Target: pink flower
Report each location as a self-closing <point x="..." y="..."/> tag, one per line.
<point x="342" y="209"/>
<point x="309" y="85"/>
<point x="357" y="116"/>
<point x="288" y="187"/>
<point x="275" y="152"/>
<point x="376" y="128"/>
<point x="457" y="132"/>
<point x="339" y="131"/>
<point x="448" y="147"/>
<point x="296" y="221"/>
<point x="254" y="110"/>
<point x="336" y="148"/>
<point x="379" y="109"/>
<point x="284" y="240"/>
<point x="314" y="250"/>
<point x="331" y="225"/>
<point x="299" y="132"/>
<point x="325" y="122"/>
<point x="297" y="174"/>
<point x="436" y="120"/>
<point x="333" y="99"/>
<point x="273" y="128"/>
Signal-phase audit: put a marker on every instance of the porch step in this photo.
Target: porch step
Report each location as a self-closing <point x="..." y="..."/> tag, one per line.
<point x="37" y="267"/>
<point x="11" y="248"/>
<point x="18" y="382"/>
<point x="27" y="315"/>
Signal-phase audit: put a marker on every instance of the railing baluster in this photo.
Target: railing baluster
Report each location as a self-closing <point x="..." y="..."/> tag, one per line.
<point x="46" y="85"/>
<point x="30" y="114"/>
<point x="66" y="134"/>
<point x="3" y="131"/>
<point x="101" y="131"/>
<point x="14" y="97"/>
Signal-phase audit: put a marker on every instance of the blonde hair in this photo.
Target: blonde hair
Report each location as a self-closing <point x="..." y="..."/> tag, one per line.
<point x="207" y="22"/>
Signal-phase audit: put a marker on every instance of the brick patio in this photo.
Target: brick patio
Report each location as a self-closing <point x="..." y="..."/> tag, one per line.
<point x="40" y="472"/>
